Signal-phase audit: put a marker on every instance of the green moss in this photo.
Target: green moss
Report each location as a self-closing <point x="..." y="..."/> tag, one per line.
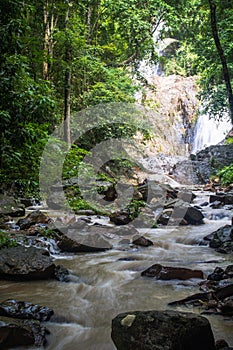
<point x="81" y="204"/>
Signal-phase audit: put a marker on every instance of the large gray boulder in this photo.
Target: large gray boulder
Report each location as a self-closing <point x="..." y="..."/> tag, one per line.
<point x="221" y="239"/>
<point x="161" y="330"/>
<point x="28" y="263"/>
<point x="80" y="242"/>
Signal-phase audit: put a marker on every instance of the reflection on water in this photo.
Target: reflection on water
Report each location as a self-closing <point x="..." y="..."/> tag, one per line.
<point x="104" y="286"/>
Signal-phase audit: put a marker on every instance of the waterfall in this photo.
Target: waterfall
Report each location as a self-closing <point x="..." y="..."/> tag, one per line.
<point x="209" y="132"/>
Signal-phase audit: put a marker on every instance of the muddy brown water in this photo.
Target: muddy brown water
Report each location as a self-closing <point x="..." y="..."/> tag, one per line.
<point x="103" y="286"/>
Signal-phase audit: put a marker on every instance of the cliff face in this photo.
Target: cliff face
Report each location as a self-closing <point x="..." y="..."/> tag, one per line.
<point x="173" y="103"/>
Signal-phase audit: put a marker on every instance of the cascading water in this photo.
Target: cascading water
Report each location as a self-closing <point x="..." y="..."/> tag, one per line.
<point x="209" y="132"/>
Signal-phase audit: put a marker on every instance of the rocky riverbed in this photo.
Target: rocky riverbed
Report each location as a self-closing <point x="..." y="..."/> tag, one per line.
<point x="86" y="269"/>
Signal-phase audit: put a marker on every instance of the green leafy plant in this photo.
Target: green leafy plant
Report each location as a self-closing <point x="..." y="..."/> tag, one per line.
<point x="229" y="140"/>
<point x="6" y="241"/>
<point x="134" y="208"/>
<point x="226" y="175"/>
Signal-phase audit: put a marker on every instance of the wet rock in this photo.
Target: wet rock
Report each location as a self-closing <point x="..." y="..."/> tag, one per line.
<point x="165" y="216"/>
<point x="76" y="242"/>
<point x="25" y="310"/>
<point x="204" y="204"/>
<point x="227" y="308"/>
<point x="10" y="206"/>
<point x="22" y="263"/>
<point x="36" y="217"/>
<point x="218" y="300"/>
<point x="223" y="198"/>
<point x="183" y="210"/>
<point x="61" y="274"/>
<point x="120" y="217"/>
<point x="217" y="275"/>
<point x="15" y="333"/>
<point x="142" y="241"/>
<point x="221" y="344"/>
<point x="222" y="239"/>
<point x="29" y="202"/>
<point x="216" y="205"/>
<point x="167" y="273"/>
<point x="160" y="330"/>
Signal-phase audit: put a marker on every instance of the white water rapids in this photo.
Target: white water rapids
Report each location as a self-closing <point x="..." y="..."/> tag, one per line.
<point x="103" y="286"/>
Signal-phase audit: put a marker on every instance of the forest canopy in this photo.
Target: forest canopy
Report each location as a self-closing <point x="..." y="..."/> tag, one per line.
<point x="61" y="56"/>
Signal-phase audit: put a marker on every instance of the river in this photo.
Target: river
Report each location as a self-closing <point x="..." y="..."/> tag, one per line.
<point x="103" y="286"/>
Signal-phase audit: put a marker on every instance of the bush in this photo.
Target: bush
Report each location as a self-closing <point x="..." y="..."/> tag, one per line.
<point x="226" y="175"/>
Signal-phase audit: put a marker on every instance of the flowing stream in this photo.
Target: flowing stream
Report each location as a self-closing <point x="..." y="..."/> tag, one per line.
<point x="103" y="286"/>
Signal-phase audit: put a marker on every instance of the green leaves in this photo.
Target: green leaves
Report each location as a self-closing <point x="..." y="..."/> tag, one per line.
<point x="226" y="175"/>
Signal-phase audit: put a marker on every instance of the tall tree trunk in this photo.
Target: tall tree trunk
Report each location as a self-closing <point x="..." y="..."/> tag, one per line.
<point x="67" y="92"/>
<point x="46" y="40"/>
<point x="221" y="56"/>
<point x="49" y="23"/>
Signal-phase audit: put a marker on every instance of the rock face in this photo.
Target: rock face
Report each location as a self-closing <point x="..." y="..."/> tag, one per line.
<point x="75" y="241"/>
<point x="25" y="310"/>
<point x="222" y="239"/>
<point x="161" y="330"/>
<point x="21" y="263"/>
<point x="168" y="273"/>
<point x="15" y="332"/>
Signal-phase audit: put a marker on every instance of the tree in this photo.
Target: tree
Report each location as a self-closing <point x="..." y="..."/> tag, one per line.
<point x="222" y="57"/>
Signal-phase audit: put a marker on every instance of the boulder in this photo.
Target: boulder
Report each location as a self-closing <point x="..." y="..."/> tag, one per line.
<point x="36" y="217"/>
<point x="183" y="210"/>
<point x="161" y="330"/>
<point x="25" y="310"/>
<point x="142" y="241"/>
<point x="227" y="308"/>
<point x="15" y="333"/>
<point x="224" y="198"/>
<point x="168" y="273"/>
<point x="121" y="217"/>
<point x="222" y="239"/>
<point x="165" y="216"/>
<point x="10" y="206"/>
<point x="77" y="242"/>
<point x="222" y="344"/>
<point x="22" y="263"/>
